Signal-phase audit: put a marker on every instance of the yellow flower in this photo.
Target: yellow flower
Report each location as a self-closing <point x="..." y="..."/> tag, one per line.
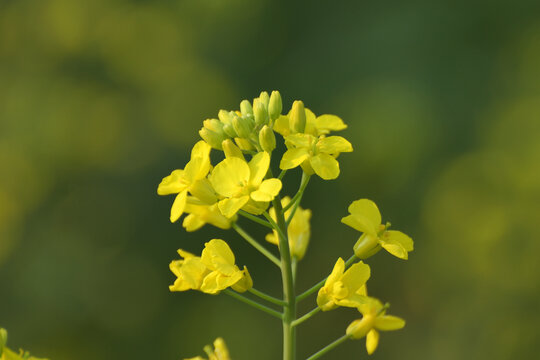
<point x="212" y="272"/>
<point x="315" y="126"/>
<point x="192" y="179"/>
<point x="373" y="318"/>
<point x="219" y="352"/>
<point x="298" y="231"/>
<point x="243" y="185"/>
<point x="344" y="288"/>
<point x="316" y="154"/>
<point x="201" y="214"/>
<point x="365" y="217"/>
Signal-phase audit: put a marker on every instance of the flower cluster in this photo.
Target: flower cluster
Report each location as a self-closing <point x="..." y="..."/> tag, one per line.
<point x="241" y="184"/>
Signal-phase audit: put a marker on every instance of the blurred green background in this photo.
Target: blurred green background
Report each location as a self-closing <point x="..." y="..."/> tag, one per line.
<point x="101" y="99"/>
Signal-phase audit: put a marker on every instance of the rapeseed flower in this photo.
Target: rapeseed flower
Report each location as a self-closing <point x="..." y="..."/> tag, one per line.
<point x="316" y="154"/>
<point x="373" y="318"/>
<point x="315" y="125"/>
<point x="298" y="230"/>
<point x="344" y="288"/>
<point x="366" y="217"/>
<point x="242" y="184"/>
<point x="201" y="214"/>
<point x="212" y="272"/>
<point x="219" y="352"/>
<point x="192" y="179"/>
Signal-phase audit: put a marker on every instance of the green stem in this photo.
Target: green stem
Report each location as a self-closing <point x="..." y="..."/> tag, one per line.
<point x="256" y="245"/>
<point x="254" y="218"/>
<point x="282" y="174"/>
<point x="289" y="311"/>
<point x="329" y="347"/>
<point x="305" y="317"/>
<point x="320" y="284"/>
<point x="298" y="196"/>
<point x="303" y="183"/>
<point x="253" y="303"/>
<point x="267" y="297"/>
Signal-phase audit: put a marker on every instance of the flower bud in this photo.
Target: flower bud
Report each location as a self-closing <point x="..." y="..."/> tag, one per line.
<point x="213" y="139"/>
<point x="297" y="117"/>
<point x="260" y="111"/>
<point x="264" y="98"/>
<point x="359" y="328"/>
<point x="214" y="125"/>
<point x="275" y="105"/>
<point x="242" y="126"/>
<point x="224" y="116"/>
<point x="243" y="144"/>
<point x="231" y="150"/>
<point x="229" y="130"/>
<point x="267" y="139"/>
<point x="366" y="246"/>
<point x="245" y="108"/>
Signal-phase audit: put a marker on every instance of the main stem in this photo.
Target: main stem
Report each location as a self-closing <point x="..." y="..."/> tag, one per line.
<point x="289" y="310"/>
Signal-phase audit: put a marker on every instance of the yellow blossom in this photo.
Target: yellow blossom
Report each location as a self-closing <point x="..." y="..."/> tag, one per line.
<point x="298" y="231"/>
<point x="315" y="125"/>
<point x="192" y="179"/>
<point x="219" y="352"/>
<point x="242" y="183"/>
<point x="373" y="318"/>
<point x="344" y="288"/>
<point x="201" y="214"/>
<point x="212" y="272"/>
<point x="316" y="154"/>
<point x="365" y="217"/>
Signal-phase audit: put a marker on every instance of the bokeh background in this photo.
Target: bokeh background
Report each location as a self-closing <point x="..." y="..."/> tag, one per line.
<point x="101" y="99"/>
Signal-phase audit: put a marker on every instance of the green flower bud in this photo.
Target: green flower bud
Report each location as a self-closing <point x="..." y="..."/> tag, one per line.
<point x="245" y="108"/>
<point x="213" y="139"/>
<point x="224" y="116"/>
<point x="229" y="130"/>
<point x="214" y="125"/>
<point x="260" y="111"/>
<point x="242" y="126"/>
<point x="267" y="139"/>
<point x="231" y="150"/>
<point x="297" y="117"/>
<point x="366" y="246"/>
<point x="264" y="98"/>
<point x="244" y="144"/>
<point x="275" y="105"/>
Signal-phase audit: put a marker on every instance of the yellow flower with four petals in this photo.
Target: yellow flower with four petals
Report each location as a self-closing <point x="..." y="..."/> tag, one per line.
<point x="366" y="217"/>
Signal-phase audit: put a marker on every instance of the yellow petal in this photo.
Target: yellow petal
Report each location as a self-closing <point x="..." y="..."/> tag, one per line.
<point x="196" y="169"/>
<point x="293" y="157"/>
<point x="281" y="125"/>
<point x="178" y="206"/>
<point x="394" y="247"/>
<point x="333" y="145"/>
<point x="326" y="166"/>
<point x="245" y="283"/>
<point x="365" y="216"/>
<point x="203" y="190"/>
<point x="258" y="167"/>
<point x="325" y="301"/>
<point x="311" y="127"/>
<point x="229" y="207"/>
<point x="336" y="273"/>
<point x="267" y="191"/>
<point x="217" y="255"/>
<point x="299" y="140"/>
<point x="399" y="237"/>
<point x="326" y="123"/>
<point x="172" y="184"/>
<point x="356" y="276"/>
<point x="209" y="284"/>
<point x="359" y="328"/>
<point x="220" y="350"/>
<point x="372" y="340"/>
<point x="230" y="176"/>
<point x="192" y="223"/>
<point x="389" y="322"/>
